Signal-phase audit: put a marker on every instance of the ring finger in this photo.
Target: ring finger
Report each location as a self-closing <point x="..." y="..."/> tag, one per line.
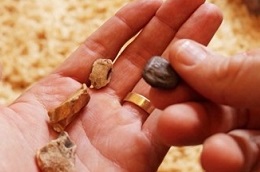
<point x="153" y="40"/>
<point x="208" y="15"/>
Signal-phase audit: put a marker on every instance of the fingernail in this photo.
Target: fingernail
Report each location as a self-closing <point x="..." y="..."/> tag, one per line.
<point x="189" y="53"/>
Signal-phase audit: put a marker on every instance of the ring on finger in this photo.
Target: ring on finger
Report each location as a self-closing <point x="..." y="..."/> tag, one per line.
<point x="140" y="101"/>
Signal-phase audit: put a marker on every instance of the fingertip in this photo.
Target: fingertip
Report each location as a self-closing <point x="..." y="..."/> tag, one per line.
<point x="177" y="126"/>
<point x="186" y="52"/>
<point x="215" y="12"/>
<point x="230" y="81"/>
<point x="221" y="153"/>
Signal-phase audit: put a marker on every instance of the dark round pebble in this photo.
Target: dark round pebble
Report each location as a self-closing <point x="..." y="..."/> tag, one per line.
<point x="159" y="74"/>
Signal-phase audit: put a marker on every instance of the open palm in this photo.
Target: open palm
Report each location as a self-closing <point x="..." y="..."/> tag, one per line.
<point x="111" y="135"/>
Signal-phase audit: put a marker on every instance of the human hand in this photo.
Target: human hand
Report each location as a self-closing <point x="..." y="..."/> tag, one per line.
<point x="221" y="110"/>
<point x="110" y="135"/>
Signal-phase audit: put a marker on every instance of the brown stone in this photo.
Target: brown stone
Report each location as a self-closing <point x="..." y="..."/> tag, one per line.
<point x="58" y="155"/>
<point x="101" y="73"/>
<point x="159" y="74"/>
<point x="64" y="114"/>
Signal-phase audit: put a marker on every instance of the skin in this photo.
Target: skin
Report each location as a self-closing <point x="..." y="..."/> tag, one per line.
<point x="221" y="111"/>
<point x="109" y="133"/>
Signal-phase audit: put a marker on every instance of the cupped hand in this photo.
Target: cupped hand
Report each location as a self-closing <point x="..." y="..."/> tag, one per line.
<point x="111" y="135"/>
<point x="222" y="110"/>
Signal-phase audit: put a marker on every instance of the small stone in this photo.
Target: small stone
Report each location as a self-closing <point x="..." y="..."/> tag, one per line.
<point x="101" y="73"/>
<point x="58" y="155"/>
<point x="63" y="115"/>
<point x="159" y="74"/>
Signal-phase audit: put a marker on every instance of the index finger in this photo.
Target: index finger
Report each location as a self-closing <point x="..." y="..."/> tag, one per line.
<point x="191" y="123"/>
<point x="107" y="41"/>
<point x="104" y="43"/>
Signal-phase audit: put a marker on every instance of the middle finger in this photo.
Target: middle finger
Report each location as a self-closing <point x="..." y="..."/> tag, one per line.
<point x="153" y="40"/>
<point x="200" y="27"/>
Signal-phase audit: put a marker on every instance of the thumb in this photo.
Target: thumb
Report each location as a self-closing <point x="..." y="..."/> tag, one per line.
<point x="226" y="80"/>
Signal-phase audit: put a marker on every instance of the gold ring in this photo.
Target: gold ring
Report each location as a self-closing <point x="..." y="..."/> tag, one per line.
<point x="140" y="101"/>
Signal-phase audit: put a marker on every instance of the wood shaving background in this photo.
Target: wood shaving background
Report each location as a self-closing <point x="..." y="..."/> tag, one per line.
<point x="36" y="36"/>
